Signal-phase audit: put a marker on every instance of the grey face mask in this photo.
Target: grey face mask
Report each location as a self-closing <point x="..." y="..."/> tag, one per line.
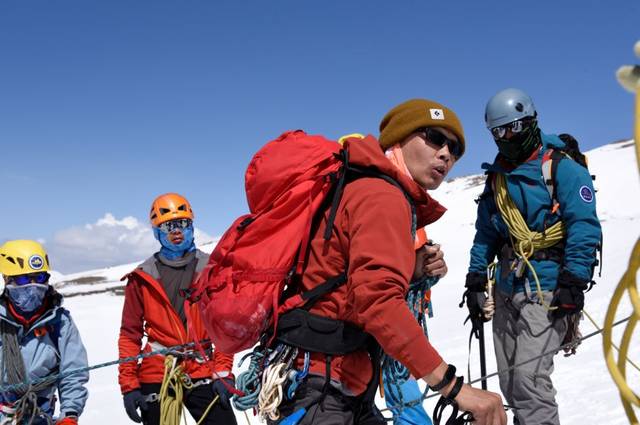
<point x="27" y="298"/>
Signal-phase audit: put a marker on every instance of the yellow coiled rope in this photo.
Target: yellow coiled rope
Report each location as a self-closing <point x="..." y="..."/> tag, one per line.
<point x="524" y="241"/>
<point x="172" y="393"/>
<point x="628" y="282"/>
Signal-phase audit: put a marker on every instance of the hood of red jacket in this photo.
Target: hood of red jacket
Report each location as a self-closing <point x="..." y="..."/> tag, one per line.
<point x="368" y="153"/>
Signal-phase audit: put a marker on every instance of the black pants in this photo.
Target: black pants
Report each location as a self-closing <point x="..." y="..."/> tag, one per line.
<point x="196" y="401"/>
<point x="335" y="409"/>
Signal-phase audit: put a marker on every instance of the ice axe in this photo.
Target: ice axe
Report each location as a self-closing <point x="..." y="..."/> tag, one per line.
<point x="477" y="319"/>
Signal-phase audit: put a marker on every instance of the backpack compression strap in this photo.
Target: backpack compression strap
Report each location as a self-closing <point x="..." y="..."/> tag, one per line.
<point x="550" y="161"/>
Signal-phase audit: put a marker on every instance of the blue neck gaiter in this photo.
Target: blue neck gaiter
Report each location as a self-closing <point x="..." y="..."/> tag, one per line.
<point x="172" y="251"/>
<point x="27" y="298"/>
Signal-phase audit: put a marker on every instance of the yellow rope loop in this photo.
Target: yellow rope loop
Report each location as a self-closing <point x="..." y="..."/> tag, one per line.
<point x="171" y="392"/>
<point x="206" y="412"/>
<point x="618" y="368"/>
<point x="628" y="281"/>
<point x="617" y="348"/>
<point x="526" y="247"/>
<point x="174" y="382"/>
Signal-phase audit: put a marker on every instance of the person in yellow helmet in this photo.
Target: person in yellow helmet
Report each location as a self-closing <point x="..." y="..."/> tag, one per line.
<point x="39" y="340"/>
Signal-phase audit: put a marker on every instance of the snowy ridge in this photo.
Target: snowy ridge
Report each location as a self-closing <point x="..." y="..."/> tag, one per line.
<point x="585" y="389"/>
<point x="101" y="280"/>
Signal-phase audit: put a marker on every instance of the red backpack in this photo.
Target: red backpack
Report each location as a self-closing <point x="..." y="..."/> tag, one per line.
<point x="239" y="291"/>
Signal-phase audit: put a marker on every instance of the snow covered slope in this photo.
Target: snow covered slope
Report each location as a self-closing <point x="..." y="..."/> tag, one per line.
<point x="585" y="389"/>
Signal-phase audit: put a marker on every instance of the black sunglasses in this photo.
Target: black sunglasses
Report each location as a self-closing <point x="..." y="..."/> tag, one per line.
<point x="440" y="140"/>
<point x="515" y="127"/>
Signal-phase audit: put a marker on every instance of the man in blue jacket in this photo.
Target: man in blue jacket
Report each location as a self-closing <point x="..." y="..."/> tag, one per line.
<point x="529" y="224"/>
<point x="40" y="343"/>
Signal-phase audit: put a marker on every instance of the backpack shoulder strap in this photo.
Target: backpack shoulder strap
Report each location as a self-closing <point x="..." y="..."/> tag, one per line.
<point x="349" y="172"/>
<point x="489" y="187"/>
<point x="550" y="160"/>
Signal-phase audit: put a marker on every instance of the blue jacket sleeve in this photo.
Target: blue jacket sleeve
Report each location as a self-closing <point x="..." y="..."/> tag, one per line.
<point x="574" y="190"/>
<point x="485" y="242"/>
<point x="72" y="389"/>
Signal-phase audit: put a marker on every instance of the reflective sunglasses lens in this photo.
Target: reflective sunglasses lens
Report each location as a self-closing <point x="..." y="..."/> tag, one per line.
<point x="455" y="149"/>
<point x="436" y="137"/>
<point x="517" y="126"/>
<point x="26" y="279"/>
<point x="170" y="226"/>
<point x="41" y="277"/>
<point x="440" y="140"/>
<point x="21" y="280"/>
<point x="498" y="132"/>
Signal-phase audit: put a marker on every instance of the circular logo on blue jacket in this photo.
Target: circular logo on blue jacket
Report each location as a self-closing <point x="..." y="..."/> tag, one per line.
<point x="586" y="194"/>
<point x="36" y="262"/>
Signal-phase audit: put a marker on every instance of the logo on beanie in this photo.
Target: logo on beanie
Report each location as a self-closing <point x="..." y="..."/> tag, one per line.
<point x="586" y="194"/>
<point x="36" y="262"/>
<point x="436" y="114"/>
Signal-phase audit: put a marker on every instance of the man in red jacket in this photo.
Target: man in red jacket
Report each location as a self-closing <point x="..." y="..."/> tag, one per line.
<point x="154" y="307"/>
<point x="373" y="239"/>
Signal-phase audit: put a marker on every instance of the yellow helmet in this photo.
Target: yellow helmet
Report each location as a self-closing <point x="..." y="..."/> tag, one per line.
<point x="23" y="257"/>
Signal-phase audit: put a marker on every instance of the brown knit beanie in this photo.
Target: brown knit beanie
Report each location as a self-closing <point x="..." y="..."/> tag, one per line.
<point x="413" y="114"/>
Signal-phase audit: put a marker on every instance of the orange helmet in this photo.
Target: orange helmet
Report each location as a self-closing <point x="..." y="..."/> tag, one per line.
<point x="169" y="206"/>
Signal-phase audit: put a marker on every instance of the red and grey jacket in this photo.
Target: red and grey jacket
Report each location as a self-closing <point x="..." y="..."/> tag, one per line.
<point x="147" y="311"/>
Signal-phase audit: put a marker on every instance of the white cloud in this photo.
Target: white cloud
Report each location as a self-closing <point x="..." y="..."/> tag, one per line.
<point x="107" y="242"/>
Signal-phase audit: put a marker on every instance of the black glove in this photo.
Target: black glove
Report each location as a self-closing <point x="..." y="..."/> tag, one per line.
<point x="569" y="295"/>
<point x="132" y="401"/>
<point x="222" y="388"/>
<point x="476" y="284"/>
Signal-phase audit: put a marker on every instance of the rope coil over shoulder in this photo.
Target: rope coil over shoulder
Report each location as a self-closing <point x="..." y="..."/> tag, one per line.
<point x="525" y="241"/>
<point x="25" y="409"/>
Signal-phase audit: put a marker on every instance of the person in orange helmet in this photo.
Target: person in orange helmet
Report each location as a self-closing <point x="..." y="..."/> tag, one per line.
<point x="154" y="308"/>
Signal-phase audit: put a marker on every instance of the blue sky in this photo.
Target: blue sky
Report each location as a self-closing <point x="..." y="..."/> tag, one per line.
<point x="106" y="104"/>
